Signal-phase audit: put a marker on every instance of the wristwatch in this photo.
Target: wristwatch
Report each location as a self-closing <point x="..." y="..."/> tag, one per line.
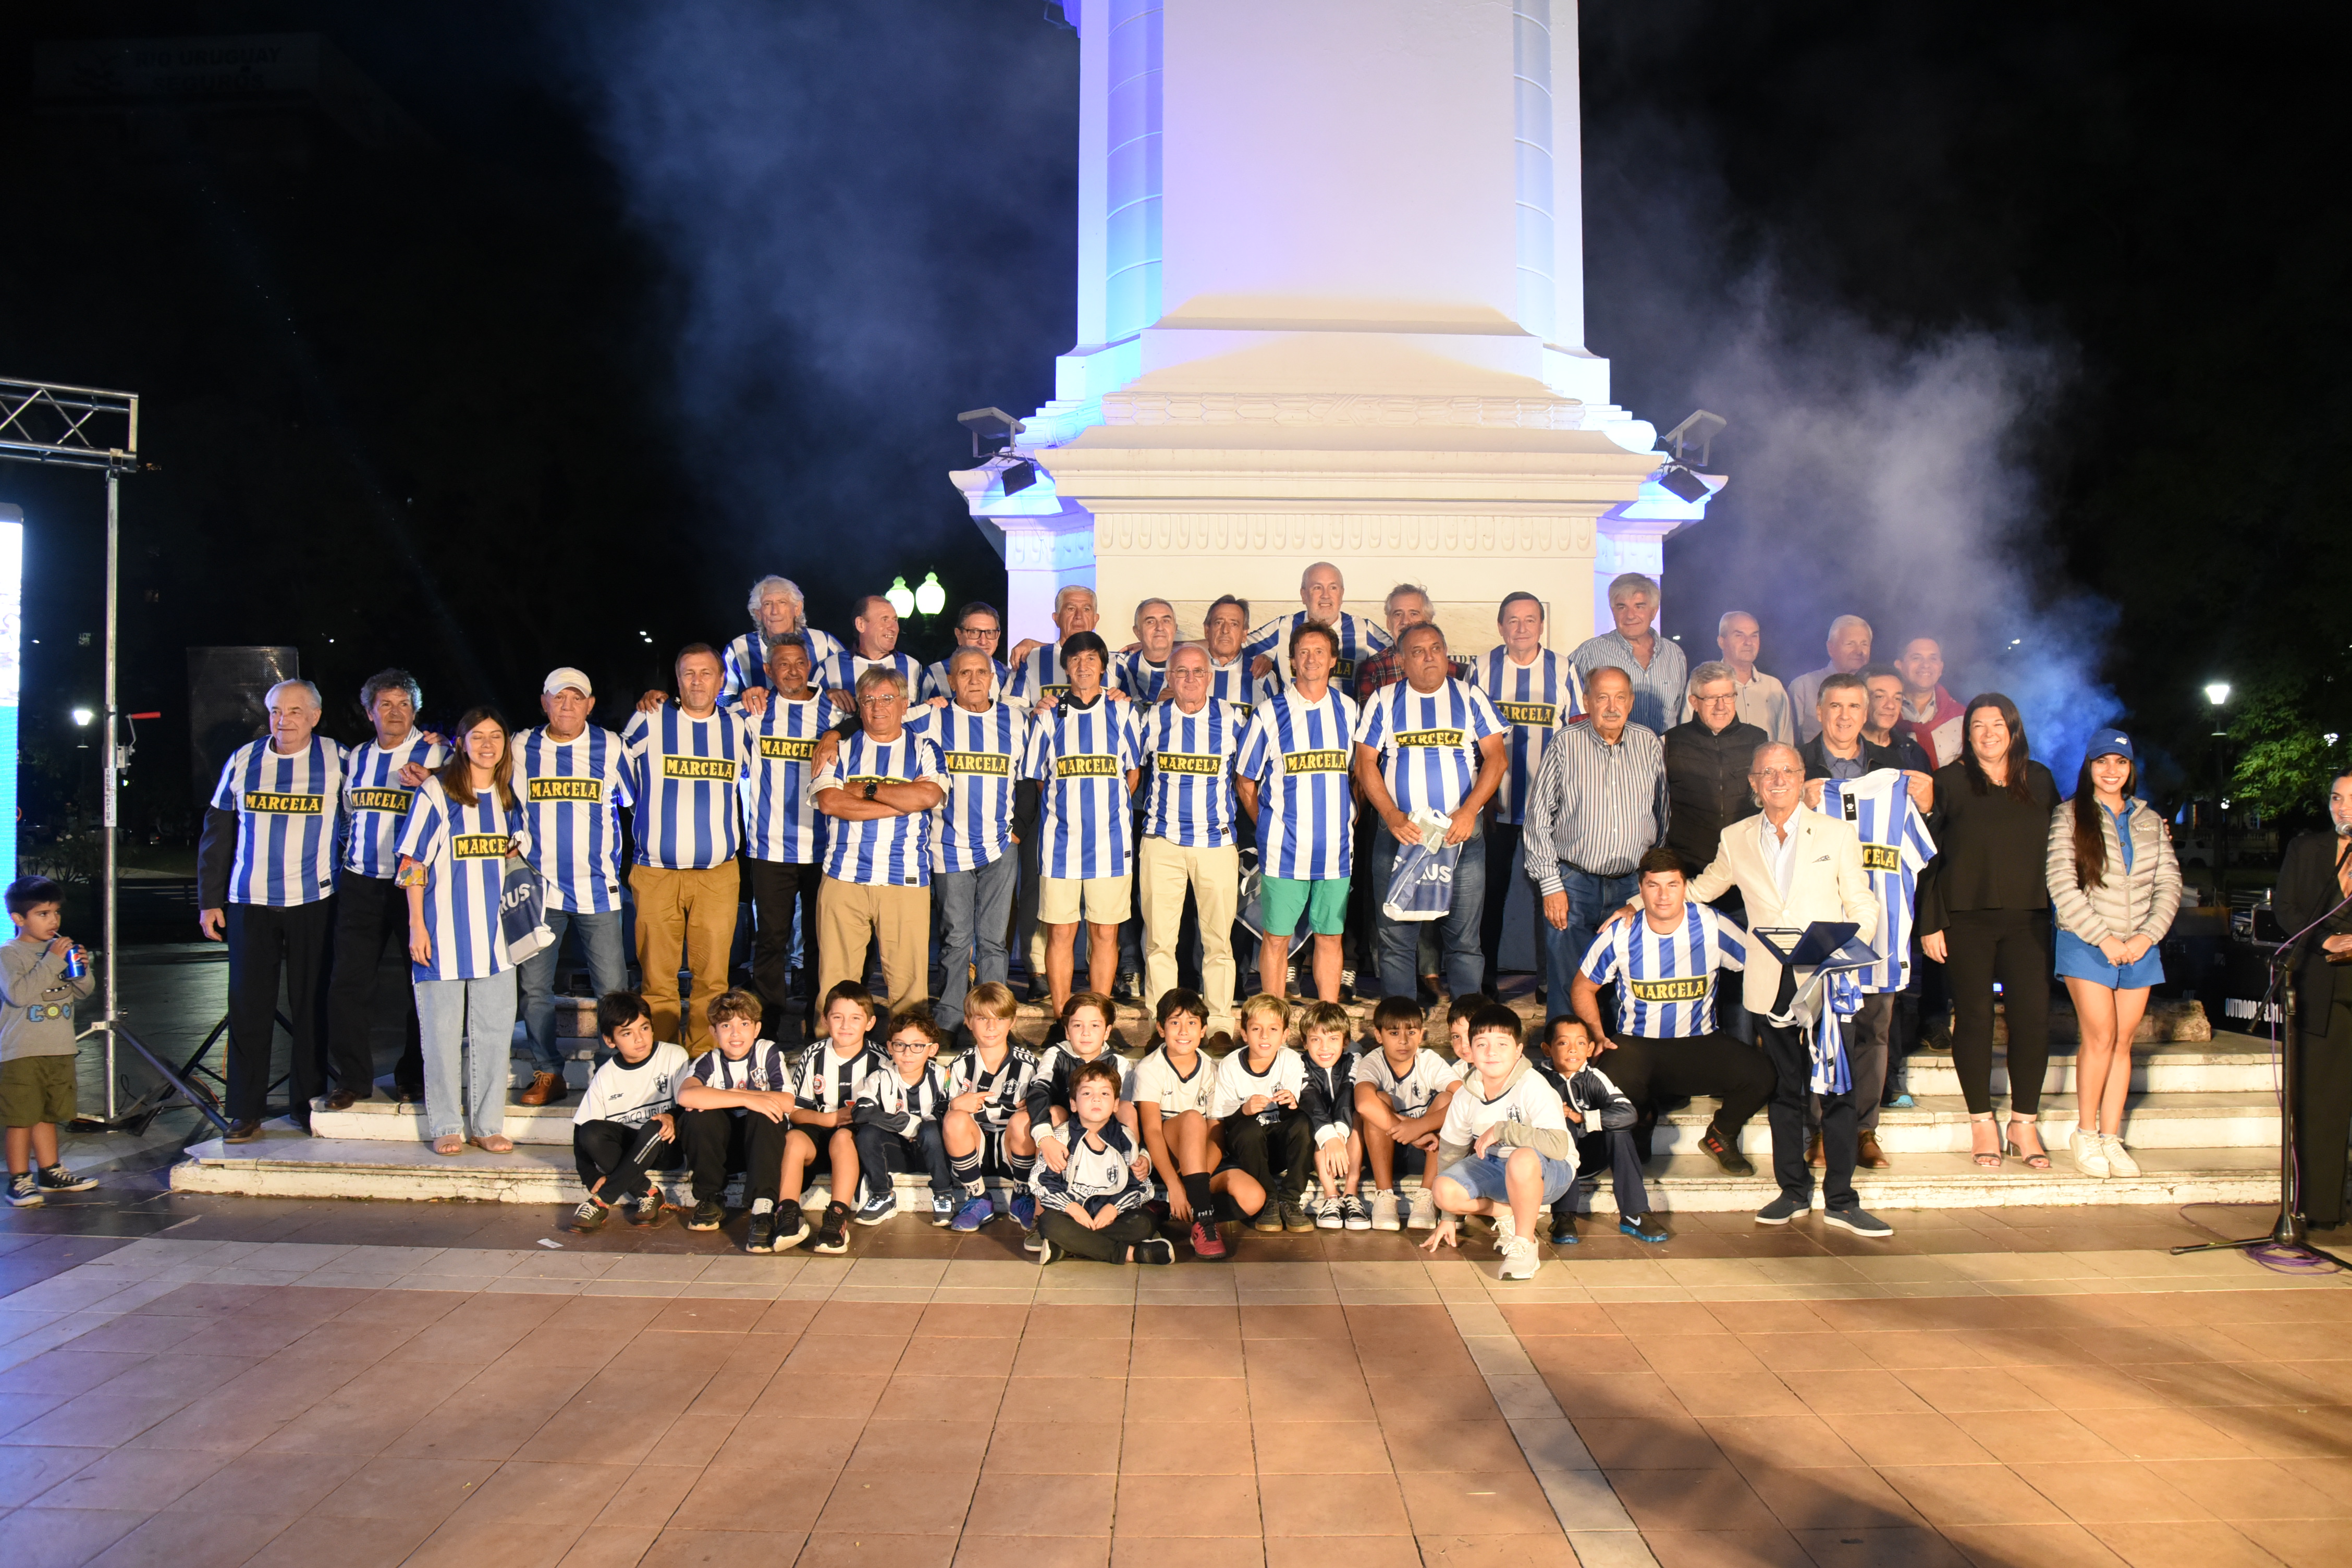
<point x="872" y="787"/>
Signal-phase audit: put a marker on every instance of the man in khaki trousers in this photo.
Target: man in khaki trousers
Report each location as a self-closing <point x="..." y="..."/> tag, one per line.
<point x="879" y="788"/>
<point x="1190" y="742"/>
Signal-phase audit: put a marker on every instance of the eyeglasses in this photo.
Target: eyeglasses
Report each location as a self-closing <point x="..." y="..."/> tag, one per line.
<point x="908" y="1048"/>
<point x="1781" y="775"/>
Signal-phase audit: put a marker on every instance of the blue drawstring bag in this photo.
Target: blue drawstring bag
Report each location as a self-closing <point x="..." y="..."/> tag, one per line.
<point x="1421" y="886"/>
<point x="522" y="911"/>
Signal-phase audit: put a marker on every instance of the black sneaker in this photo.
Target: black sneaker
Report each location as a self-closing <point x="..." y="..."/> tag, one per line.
<point x="1726" y="1153"/>
<point x="761" y="1237"/>
<point x="1563" y="1226"/>
<point x="708" y="1214"/>
<point x="1295" y="1218"/>
<point x="791" y="1226"/>
<point x="832" y="1231"/>
<point x="589" y="1216"/>
<point x="24" y="1191"/>
<point x="1158" y="1249"/>
<point x="1862" y="1222"/>
<point x="57" y="1179"/>
<point x="1783" y="1209"/>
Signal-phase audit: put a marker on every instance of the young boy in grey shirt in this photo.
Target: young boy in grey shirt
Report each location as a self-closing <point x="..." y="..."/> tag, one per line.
<point x="42" y="975"/>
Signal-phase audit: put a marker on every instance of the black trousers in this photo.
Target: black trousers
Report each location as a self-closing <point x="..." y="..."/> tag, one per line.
<point x="1792" y="1071"/>
<point x="370" y="915"/>
<point x="1613" y="1147"/>
<point x="721" y="1142"/>
<point x="1107" y="1244"/>
<point x="1648" y="1070"/>
<point x="619" y="1155"/>
<point x="2011" y="946"/>
<point x="2324" y="1082"/>
<point x="1279" y="1157"/>
<point x="882" y="1154"/>
<point x="265" y="943"/>
<point x="1503" y="870"/>
<point x="776" y="887"/>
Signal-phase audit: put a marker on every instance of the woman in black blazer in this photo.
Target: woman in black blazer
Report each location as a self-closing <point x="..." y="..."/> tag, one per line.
<point x="1986" y="917"/>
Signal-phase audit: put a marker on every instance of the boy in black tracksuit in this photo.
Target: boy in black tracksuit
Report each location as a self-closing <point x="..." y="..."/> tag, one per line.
<point x="1602" y="1119"/>
<point x="734" y="1110"/>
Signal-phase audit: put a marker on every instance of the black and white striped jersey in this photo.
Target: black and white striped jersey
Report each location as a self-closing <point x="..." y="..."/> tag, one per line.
<point x="886" y="1099"/>
<point x="1006" y="1086"/>
<point x="827" y="1081"/>
<point x="760" y="1069"/>
<point x="1051" y="1085"/>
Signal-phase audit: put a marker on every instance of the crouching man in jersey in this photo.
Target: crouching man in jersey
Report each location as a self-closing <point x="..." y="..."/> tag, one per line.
<point x="1665" y="1045"/>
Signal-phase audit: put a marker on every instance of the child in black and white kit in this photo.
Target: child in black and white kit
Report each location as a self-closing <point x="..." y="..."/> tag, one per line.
<point x="1174" y="1091"/>
<point x="1328" y="1099"/>
<point x="1093" y="1206"/>
<point x="1602" y="1120"/>
<point x="986" y="1127"/>
<point x="896" y="1122"/>
<point x="825" y="1099"/>
<point x="626" y="1126"/>
<point x="733" y="1113"/>
<point x="37" y="1039"/>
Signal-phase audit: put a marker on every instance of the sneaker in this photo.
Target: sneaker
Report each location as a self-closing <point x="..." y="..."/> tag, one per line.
<point x="1860" y="1221"/>
<point x="2119" y="1159"/>
<point x="1045" y="1250"/>
<point x="1024" y="1211"/>
<point x="1206" y="1243"/>
<point x="1902" y="1102"/>
<point x="1034" y="1241"/>
<point x="975" y="1212"/>
<point x="791" y="1226"/>
<point x="1295" y="1218"/>
<point x="944" y="1209"/>
<point x="1724" y="1152"/>
<point x="57" y="1179"/>
<point x="1783" y="1209"/>
<point x="589" y="1216"/>
<point x="1384" y="1211"/>
<point x="643" y="1211"/>
<point x="1422" y="1215"/>
<point x="1155" y="1250"/>
<point x="763" y="1234"/>
<point x="1353" y="1215"/>
<point x="1268" y="1220"/>
<point x="1506" y="1231"/>
<point x="1519" y="1260"/>
<point x="832" y="1230"/>
<point x="1326" y="1213"/>
<point x="1563" y="1226"/>
<point x="1642" y="1227"/>
<point x="708" y="1214"/>
<point x="878" y="1207"/>
<point x="2090" y="1153"/>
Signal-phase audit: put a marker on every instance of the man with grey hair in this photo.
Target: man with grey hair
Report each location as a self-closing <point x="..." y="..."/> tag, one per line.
<point x="1654" y="665"/>
<point x="371" y="911"/>
<point x="1037" y="671"/>
<point x="1321" y="592"/>
<point x="777" y="608"/>
<point x="266" y="883"/>
<point x="1141" y="671"/>
<point x="1760" y="698"/>
<point x="1849" y="650"/>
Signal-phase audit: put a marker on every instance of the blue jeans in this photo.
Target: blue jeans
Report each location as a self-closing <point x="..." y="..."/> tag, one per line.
<point x="469" y="1033"/>
<point x="1457" y="929"/>
<point x="608" y="969"/>
<point x="1591" y="900"/>
<point x="975" y="907"/>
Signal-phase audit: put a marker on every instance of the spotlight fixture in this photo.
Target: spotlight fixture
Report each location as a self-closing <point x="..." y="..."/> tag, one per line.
<point x="1678" y="479"/>
<point x="990" y="423"/>
<point x="1699" y="430"/>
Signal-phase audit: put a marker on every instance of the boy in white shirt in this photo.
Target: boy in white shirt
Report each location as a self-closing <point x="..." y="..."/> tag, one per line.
<point x="1403" y="1089"/>
<point x="986" y="1126"/>
<point x="1258" y="1089"/>
<point x="624" y="1126"/>
<point x="825" y="1098"/>
<point x="1505" y="1149"/>
<point x="1173" y="1091"/>
<point x="733" y="1113"/>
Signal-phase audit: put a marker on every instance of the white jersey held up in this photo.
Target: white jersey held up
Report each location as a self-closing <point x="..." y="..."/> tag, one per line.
<point x="1895" y="847"/>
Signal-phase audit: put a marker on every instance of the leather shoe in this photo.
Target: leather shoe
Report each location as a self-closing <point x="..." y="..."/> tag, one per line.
<point x="1867" y="1154"/>
<point x="546" y="1089"/>
<point x="1813" y="1155"/>
<point x="342" y="1099"/>
<point x="242" y="1132"/>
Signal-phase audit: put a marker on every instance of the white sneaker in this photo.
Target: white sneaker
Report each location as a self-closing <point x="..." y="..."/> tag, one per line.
<point x="2119" y="1159"/>
<point x="1422" y="1215"/>
<point x="1519" y="1260"/>
<point x="2090" y="1153"/>
<point x="1384" y="1211"/>
<point x="1506" y="1231"/>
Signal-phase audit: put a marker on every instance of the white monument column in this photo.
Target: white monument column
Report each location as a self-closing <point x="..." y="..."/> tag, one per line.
<point x="1330" y="306"/>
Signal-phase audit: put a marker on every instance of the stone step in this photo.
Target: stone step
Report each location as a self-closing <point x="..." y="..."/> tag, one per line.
<point x="1939" y="1123"/>
<point x="284" y="1163"/>
<point x="381" y="1121"/>
<point x="2225" y="1063"/>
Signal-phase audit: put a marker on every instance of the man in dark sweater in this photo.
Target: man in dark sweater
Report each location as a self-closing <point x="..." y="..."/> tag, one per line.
<point x="1841" y="750"/>
<point x="2316" y="877"/>
<point x="1707" y="762"/>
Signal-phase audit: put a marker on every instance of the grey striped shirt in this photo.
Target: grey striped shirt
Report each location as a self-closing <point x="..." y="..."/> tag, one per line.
<point x="1594" y="805"/>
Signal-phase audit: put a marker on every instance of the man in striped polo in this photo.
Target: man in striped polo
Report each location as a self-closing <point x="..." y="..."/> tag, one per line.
<point x="371" y="911"/>
<point x="1322" y="592"/>
<point x="1141" y="671"/>
<point x="1292" y="779"/>
<point x="979" y="625"/>
<point x="266" y="883"/>
<point x="1083" y="756"/>
<point x="778" y="609"/>
<point x="1665" y="1045"/>
<point x="571" y="779"/>
<point x="1223" y="629"/>
<point x="982" y="742"/>
<point x="1037" y="666"/>
<point x="875" y="643"/>
<point x="1189" y="744"/>
<point x="1431" y="743"/>
<point x="779" y="835"/>
<point x="684" y="761"/>
<point x="879" y="791"/>
<point x="1535" y="691"/>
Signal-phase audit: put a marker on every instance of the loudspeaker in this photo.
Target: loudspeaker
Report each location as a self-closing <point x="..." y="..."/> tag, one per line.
<point x="229" y="703"/>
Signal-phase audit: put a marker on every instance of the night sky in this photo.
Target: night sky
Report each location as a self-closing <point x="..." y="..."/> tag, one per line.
<point x="2030" y="321"/>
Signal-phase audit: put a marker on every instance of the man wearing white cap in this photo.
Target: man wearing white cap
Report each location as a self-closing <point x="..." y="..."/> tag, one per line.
<point x="570" y="776"/>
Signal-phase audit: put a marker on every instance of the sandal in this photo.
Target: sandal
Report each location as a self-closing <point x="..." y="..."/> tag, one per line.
<point x="493" y="1143"/>
<point x="1987" y="1158"/>
<point x="2039" y="1158"/>
<point x="448" y="1144"/>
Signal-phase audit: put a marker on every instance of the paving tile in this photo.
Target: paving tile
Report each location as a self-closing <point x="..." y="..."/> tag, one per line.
<point x="2245" y="1490"/>
<point x="1621" y="1395"/>
<point x="137" y="1480"/>
<point x="1334" y="1505"/>
<point x="1850" y="1546"/>
<point x="1131" y="1551"/>
<point x="2297" y="1542"/>
<point x="1464" y="1397"/>
<point x="1040" y="1505"/>
<point x="1846" y="1496"/>
<point x="2121" y="1491"/>
<point x="1655" y="1443"/>
<point x="978" y="1551"/>
<point x="65" y="1537"/>
<point x="1763" y="1548"/>
<point x="1053" y="1448"/>
<point x="693" y="1547"/>
<point x="906" y="1398"/>
<point x="648" y="1498"/>
<point x="392" y="1488"/>
<point x="1399" y="1550"/>
<point x="309" y="1540"/>
<point x="867" y="1501"/>
<point x="828" y="1549"/>
<point x="2182" y="1545"/>
<point x="1500" y="1552"/>
<point x="1186" y="1506"/>
<point x="1907" y="1439"/>
<point x="192" y="1541"/>
<point x="96" y="1420"/>
<point x="1689" y="1500"/>
<point x="1475" y="1446"/>
<point x="1778" y="1442"/>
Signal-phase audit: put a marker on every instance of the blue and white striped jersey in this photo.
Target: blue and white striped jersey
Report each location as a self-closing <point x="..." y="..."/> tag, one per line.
<point x="572" y="792"/>
<point x="289" y="818"/>
<point x="1298" y="752"/>
<point x="683" y="773"/>
<point x="1359" y="640"/>
<point x="840" y="672"/>
<point x="1535" y="699"/>
<point x="882" y="851"/>
<point x="1666" y="980"/>
<point x="1040" y="675"/>
<point x="1138" y="676"/>
<point x="1080" y="758"/>
<point x="827" y="1081"/>
<point x="745" y="662"/>
<point x="760" y="1069"/>
<point x="1896" y="847"/>
<point x="1232" y="683"/>
<point x="779" y="822"/>
<point x="886" y="1099"/>
<point x="375" y="800"/>
<point x="1101" y="1168"/>
<point x="463" y="849"/>
<point x="1428" y="744"/>
<point x="983" y="753"/>
<point x="1189" y="794"/>
<point x="1006" y="1084"/>
<point x="935" y="682"/>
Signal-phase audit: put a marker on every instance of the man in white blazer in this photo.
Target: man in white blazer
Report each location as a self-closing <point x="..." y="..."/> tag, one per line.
<point x="1793" y="867"/>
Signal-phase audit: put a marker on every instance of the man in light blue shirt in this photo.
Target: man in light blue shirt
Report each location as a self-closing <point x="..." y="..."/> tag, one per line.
<point x="1653" y="664"/>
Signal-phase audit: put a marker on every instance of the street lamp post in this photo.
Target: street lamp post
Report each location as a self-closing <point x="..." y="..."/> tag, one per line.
<point x="2217" y="693"/>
